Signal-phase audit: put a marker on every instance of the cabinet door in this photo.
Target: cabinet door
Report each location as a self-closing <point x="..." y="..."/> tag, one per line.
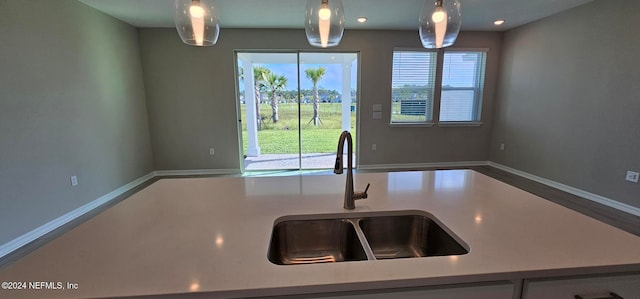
<point x="500" y="291"/>
<point x="626" y="286"/>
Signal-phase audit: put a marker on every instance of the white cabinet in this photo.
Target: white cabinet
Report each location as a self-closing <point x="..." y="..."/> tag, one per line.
<point x="626" y="286"/>
<point x="492" y="291"/>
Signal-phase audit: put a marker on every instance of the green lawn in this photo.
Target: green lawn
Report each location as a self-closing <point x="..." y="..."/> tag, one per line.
<point x="282" y="137"/>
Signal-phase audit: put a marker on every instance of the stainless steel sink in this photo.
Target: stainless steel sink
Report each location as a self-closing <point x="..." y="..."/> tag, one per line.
<point x="406" y="236"/>
<point x="310" y="239"/>
<point x="314" y="241"/>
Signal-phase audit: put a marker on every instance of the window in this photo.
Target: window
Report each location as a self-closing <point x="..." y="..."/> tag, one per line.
<point x="462" y="86"/>
<point x="460" y="76"/>
<point x="412" y="86"/>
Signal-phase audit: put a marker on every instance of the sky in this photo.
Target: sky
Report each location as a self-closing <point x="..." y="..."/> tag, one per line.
<point x="410" y="68"/>
<point x="332" y="80"/>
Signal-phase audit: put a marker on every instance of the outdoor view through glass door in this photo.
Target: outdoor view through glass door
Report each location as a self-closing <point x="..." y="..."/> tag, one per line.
<point x="293" y="107"/>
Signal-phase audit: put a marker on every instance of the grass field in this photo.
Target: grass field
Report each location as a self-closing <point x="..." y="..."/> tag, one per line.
<point x="282" y="137"/>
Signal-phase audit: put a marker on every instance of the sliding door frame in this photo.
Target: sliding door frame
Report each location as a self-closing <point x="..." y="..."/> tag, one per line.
<point x="298" y="53"/>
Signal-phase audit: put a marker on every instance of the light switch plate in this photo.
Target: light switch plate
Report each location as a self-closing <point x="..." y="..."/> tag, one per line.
<point x="74" y="181"/>
<point x="377" y="115"/>
<point x="633" y="176"/>
<point x="377" y="108"/>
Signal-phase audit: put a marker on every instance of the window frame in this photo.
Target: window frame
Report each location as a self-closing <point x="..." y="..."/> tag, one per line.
<point x="478" y="90"/>
<point x="431" y="90"/>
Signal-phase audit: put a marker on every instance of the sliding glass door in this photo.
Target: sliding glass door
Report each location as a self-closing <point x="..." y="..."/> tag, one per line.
<point x="328" y="84"/>
<point x="293" y="106"/>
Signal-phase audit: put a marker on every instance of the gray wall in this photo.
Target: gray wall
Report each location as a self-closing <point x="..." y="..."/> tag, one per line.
<point x="72" y="102"/>
<point x="568" y="104"/>
<point x="192" y="103"/>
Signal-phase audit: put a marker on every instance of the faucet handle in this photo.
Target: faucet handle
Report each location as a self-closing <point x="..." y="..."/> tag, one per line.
<point x="367" y="188"/>
<point x="361" y="195"/>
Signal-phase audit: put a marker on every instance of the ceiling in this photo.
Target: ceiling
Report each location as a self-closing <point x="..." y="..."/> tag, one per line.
<point x="381" y="14"/>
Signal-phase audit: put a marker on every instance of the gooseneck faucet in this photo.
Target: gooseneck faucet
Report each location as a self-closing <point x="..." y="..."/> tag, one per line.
<point x="349" y="195"/>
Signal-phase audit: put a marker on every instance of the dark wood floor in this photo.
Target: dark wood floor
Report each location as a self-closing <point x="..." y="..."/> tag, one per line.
<point x="24" y="250"/>
<point x="611" y="216"/>
<point x="606" y="214"/>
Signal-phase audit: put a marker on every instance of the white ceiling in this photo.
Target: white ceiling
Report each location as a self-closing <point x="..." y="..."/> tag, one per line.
<point x="382" y="14"/>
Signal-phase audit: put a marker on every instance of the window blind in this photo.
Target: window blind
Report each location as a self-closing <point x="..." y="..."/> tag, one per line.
<point x="413" y="82"/>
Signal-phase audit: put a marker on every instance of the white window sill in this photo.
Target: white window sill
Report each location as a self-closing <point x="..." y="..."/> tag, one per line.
<point x="412" y="125"/>
<point x="459" y="124"/>
<point x="446" y="124"/>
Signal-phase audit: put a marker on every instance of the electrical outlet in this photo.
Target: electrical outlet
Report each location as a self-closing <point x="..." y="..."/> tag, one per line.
<point x="501" y="146"/>
<point x="633" y="176"/>
<point x="212" y="151"/>
<point x="74" y="181"/>
<point x="374" y="147"/>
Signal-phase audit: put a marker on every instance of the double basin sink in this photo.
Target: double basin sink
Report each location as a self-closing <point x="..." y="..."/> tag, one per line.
<point x="310" y="239"/>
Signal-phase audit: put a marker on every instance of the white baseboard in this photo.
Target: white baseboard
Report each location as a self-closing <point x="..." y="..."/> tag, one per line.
<point x="161" y="173"/>
<point x="575" y="191"/>
<point x="405" y="166"/>
<point x="68" y="217"/>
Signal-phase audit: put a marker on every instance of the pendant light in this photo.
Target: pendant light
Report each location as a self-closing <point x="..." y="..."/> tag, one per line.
<point x="440" y="23"/>
<point x="197" y="22"/>
<point x="324" y="22"/>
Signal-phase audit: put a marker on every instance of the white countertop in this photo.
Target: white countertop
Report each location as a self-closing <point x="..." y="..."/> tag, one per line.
<point x="212" y="235"/>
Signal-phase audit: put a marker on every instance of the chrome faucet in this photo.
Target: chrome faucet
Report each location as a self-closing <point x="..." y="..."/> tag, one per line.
<point x="349" y="195"/>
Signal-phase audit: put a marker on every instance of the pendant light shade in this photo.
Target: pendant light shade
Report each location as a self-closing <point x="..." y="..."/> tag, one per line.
<point x="324" y="22"/>
<point x="197" y="22"/>
<point x="440" y="22"/>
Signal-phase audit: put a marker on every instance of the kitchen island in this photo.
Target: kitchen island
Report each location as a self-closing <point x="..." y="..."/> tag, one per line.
<point x="210" y="236"/>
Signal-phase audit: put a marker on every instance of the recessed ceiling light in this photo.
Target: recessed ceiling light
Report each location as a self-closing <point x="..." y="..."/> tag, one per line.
<point x="361" y="19"/>
<point x="498" y="22"/>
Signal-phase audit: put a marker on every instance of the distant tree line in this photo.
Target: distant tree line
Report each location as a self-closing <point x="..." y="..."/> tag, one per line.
<point x="410" y="92"/>
<point x="291" y="96"/>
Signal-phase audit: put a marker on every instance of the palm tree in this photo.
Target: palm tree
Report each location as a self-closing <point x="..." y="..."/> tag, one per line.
<point x="274" y="85"/>
<point x="258" y="75"/>
<point x="315" y="75"/>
